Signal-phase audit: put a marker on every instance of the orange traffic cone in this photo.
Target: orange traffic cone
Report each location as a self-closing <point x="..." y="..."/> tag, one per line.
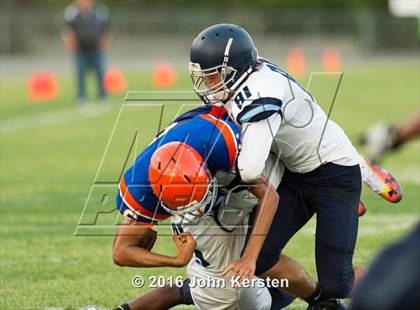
<point x="114" y="81"/>
<point x="331" y="60"/>
<point x="163" y="76"/>
<point x="296" y="62"/>
<point x="42" y="86"/>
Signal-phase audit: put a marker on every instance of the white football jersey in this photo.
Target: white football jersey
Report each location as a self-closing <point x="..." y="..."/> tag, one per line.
<point x="277" y="114"/>
<point x="220" y="236"/>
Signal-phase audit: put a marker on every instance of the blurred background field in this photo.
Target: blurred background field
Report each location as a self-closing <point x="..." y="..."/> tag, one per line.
<point x="50" y="151"/>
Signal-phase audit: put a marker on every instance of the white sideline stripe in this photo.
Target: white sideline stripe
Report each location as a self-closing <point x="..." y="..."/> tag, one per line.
<point x="45" y="119"/>
<point x="375" y="224"/>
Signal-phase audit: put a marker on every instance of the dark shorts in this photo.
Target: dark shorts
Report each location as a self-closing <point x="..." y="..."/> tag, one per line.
<point x="332" y="192"/>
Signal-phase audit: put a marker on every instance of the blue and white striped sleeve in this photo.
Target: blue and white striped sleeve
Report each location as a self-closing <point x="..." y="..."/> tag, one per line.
<point x="259" y="109"/>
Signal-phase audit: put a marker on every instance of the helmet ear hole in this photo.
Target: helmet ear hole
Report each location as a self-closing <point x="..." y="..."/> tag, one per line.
<point x="158" y="166"/>
<point x="187" y="178"/>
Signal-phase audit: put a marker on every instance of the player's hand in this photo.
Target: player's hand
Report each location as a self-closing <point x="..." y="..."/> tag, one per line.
<point x="244" y="268"/>
<point x="185" y="246"/>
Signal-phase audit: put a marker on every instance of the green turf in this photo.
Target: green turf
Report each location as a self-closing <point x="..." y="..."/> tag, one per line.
<point x="49" y="161"/>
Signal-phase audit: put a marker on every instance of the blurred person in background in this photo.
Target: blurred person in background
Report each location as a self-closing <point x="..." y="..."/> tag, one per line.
<point x="86" y="36"/>
<point x="393" y="279"/>
<point x="381" y="138"/>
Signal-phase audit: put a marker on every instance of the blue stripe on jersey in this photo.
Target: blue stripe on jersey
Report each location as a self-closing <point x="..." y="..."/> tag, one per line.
<point x="260" y="109"/>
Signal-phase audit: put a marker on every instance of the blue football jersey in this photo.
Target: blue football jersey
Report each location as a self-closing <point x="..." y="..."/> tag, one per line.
<point x="206" y="129"/>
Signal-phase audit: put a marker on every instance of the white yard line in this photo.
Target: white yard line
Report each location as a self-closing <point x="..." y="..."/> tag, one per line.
<point x="51" y="118"/>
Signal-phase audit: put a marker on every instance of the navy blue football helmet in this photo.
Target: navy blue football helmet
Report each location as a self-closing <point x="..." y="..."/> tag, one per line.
<point x="221" y="58"/>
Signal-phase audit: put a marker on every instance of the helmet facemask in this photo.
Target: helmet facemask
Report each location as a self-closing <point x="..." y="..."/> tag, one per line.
<point x="212" y="85"/>
<point x="196" y="209"/>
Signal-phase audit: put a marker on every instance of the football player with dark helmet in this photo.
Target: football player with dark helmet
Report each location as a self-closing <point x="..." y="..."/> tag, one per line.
<point x="322" y="176"/>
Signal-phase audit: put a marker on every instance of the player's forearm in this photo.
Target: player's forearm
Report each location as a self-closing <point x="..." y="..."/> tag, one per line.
<point x="105" y="39"/>
<point x="134" y="256"/>
<point x="408" y="129"/>
<point x="256" y="142"/>
<point x="268" y="200"/>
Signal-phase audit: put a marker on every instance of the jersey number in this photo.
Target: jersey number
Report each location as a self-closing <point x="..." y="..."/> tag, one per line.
<point x="242" y="96"/>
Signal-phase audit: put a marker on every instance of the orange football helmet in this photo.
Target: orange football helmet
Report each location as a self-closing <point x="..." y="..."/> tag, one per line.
<point x="180" y="178"/>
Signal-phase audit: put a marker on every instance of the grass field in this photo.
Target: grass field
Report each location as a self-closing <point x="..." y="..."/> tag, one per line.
<point x="50" y="153"/>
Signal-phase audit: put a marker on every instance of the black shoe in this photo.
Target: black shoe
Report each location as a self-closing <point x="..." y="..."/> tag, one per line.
<point x="329" y="304"/>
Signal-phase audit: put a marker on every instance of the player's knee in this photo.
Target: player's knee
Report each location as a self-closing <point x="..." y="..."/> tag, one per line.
<point x="264" y="303"/>
<point x="256" y="298"/>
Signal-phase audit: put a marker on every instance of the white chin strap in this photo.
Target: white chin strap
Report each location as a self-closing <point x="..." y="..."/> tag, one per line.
<point x="241" y="79"/>
<point x="225" y="61"/>
<point x="227" y="49"/>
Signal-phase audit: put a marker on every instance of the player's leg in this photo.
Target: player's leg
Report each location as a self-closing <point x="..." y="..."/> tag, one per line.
<point x="229" y="298"/>
<point x="255" y="298"/>
<point x="408" y="129"/>
<point x="300" y="283"/>
<point x="99" y="70"/>
<point x="382" y="138"/>
<point x="205" y="296"/>
<point x="291" y="215"/>
<point x="380" y="181"/>
<point x="81" y="64"/>
<point x="280" y="299"/>
<point x="335" y="193"/>
<point x="153" y="300"/>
